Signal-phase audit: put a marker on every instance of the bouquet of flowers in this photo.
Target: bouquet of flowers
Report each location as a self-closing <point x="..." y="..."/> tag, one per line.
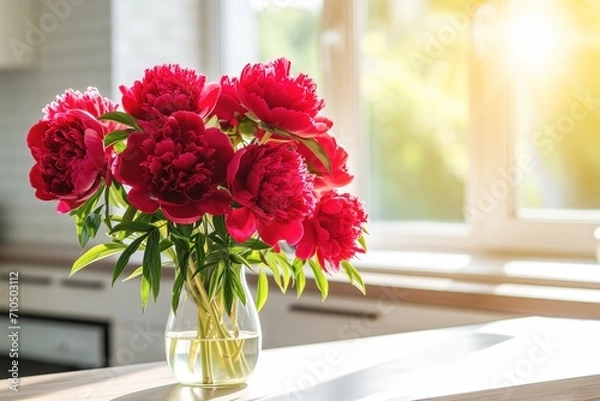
<point x="206" y="177"/>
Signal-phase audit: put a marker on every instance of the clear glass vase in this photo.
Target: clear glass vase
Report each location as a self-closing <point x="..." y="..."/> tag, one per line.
<point x="209" y="347"/>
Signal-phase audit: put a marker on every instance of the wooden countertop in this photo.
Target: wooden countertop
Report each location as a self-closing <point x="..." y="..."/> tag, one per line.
<point x="518" y="359"/>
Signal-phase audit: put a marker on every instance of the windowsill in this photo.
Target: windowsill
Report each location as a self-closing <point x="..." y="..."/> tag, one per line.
<point x="524" y="285"/>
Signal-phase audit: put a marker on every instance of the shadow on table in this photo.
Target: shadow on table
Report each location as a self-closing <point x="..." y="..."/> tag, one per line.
<point x="177" y="392"/>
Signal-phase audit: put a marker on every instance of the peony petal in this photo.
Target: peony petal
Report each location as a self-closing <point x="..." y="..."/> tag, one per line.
<point x="208" y="98"/>
<point x="186" y="214"/>
<point x="255" y="104"/>
<point x="189" y="121"/>
<point x="233" y="167"/>
<point x="216" y="203"/>
<point x="291" y="120"/>
<point x="35" y="178"/>
<point x="307" y="246"/>
<point x="140" y="198"/>
<point x="223" y="153"/>
<point x="272" y="232"/>
<point x="85" y="178"/>
<point x="35" y="138"/>
<point x="241" y="224"/>
<point x="130" y="104"/>
<point x="94" y="144"/>
<point x="128" y="169"/>
<point x="65" y="206"/>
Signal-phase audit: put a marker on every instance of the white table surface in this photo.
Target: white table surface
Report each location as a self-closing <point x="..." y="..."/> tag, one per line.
<point x="518" y="359"/>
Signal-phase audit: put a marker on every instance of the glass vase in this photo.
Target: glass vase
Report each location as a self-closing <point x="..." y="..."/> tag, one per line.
<point x="207" y="346"/>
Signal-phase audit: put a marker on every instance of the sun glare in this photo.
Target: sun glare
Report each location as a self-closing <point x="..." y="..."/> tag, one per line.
<point x="534" y="38"/>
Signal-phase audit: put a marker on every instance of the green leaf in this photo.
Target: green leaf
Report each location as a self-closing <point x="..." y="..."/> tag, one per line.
<point x="262" y="289"/>
<point x="227" y="290"/>
<point x="91" y="224"/>
<point x="215" y="281"/>
<point x="320" y="279"/>
<point x="354" y="276"/>
<point x="299" y="276"/>
<point x="87" y="207"/>
<point x="94" y="254"/>
<point x="237" y="287"/>
<point x="144" y="291"/>
<point x="219" y="223"/>
<point x="136" y="273"/>
<point x="120" y="147"/>
<point x="273" y="264"/>
<point x="132" y="226"/>
<point x="120" y="117"/>
<point x="286" y="267"/>
<point x="151" y="262"/>
<point x="125" y="256"/>
<point x="177" y="287"/>
<point x="85" y="228"/>
<point x="256" y="244"/>
<point x="115" y="136"/>
<point x="239" y="259"/>
<point x="118" y="196"/>
<point x="362" y="242"/>
<point x="317" y="150"/>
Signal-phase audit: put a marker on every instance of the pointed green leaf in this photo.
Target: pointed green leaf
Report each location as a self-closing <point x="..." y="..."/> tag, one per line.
<point x="120" y="117"/>
<point x="256" y="244"/>
<point x="299" y="276"/>
<point x="115" y="136"/>
<point x="132" y="226"/>
<point x="227" y="290"/>
<point x="286" y="267"/>
<point x="273" y="264"/>
<point x="215" y="281"/>
<point x="125" y="256"/>
<point x="219" y="223"/>
<point x="354" y="276"/>
<point x="94" y="254"/>
<point x="177" y="287"/>
<point x="362" y="242"/>
<point x="151" y="262"/>
<point x="120" y="147"/>
<point x="320" y="279"/>
<point x="238" y="289"/>
<point x="144" y="291"/>
<point x="262" y="289"/>
<point x="317" y="150"/>
<point x="136" y="273"/>
<point x="91" y="224"/>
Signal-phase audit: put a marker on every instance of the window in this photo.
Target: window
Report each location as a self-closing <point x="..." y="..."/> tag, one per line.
<point x="470" y="123"/>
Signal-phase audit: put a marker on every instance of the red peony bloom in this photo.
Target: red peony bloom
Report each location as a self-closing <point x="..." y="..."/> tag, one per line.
<point x="177" y="167"/>
<point x="338" y="157"/>
<point x="91" y="101"/>
<point x="166" y="89"/>
<point x="282" y="100"/>
<point x="333" y="230"/>
<point x="275" y="191"/>
<point x="68" y="148"/>
<point x="228" y="109"/>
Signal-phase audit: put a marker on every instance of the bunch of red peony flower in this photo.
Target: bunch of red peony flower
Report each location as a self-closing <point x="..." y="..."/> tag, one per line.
<point x="253" y="149"/>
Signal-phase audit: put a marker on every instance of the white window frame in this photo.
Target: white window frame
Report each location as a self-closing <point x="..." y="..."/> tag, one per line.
<point x="491" y="229"/>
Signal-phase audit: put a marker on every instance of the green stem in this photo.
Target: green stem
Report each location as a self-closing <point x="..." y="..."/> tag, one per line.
<point x="211" y="327"/>
<point x="107" y="209"/>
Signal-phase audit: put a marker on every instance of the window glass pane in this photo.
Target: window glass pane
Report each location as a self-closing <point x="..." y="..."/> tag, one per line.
<point x="290" y="30"/>
<point x="415" y="89"/>
<point x="554" y="50"/>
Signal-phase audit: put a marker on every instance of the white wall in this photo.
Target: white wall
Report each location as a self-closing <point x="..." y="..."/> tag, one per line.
<point x="98" y="43"/>
<point x="77" y="54"/>
<point x="150" y="32"/>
